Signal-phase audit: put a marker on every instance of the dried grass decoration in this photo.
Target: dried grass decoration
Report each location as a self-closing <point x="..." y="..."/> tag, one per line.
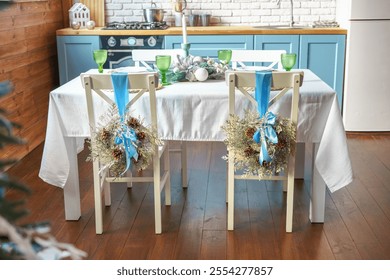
<point x="239" y="139"/>
<point x="196" y="68"/>
<point x="112" y="155"/>
<point x="122" y="142"/>
<point x="242" y="132"/>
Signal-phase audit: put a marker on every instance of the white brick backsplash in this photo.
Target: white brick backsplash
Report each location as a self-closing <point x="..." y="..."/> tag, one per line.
<point x="241" y="13"/>
<point x="311" y="4"/>
<point x="231" y="6"/>
<point x="228" y="12"/>
<point x="221" y="13"/>
<point x="260" y="12"/>
<point x="321" y="11"/>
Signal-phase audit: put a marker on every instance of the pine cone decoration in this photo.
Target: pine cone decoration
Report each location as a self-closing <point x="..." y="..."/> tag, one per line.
<point x="141" y="136"/>
<point x="266" y="164"/>
<point x="105" y="134"/>
<point x="249" y="151"/>
<point x="281" y="144"/>
<point x="250" y="132"/>
<point x="133" y="122"/>
<point x="117" y="153"/>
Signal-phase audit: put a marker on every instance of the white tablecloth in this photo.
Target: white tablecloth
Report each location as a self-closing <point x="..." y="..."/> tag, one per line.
<point x="195" y="112"/>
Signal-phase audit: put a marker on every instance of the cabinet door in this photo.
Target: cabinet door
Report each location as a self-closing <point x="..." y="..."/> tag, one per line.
<point x="289" y="43"/>
<point x="208" y="45"/>
<point x="325" y="55"/>
<point x="75" y="55"/>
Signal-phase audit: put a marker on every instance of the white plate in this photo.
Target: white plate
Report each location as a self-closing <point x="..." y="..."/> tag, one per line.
<point x="255" y="68"/>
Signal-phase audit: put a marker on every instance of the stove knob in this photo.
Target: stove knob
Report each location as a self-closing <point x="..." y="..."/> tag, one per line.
<point x="132" y="41"/>
<point x="152" y="41"/>
<point x="111" y="42"/>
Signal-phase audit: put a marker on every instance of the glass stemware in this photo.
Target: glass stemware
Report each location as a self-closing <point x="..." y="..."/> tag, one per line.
<point x="163" y="63"/>
<point x="225" y="56"/>
<point x="288" y="60"/>
<point x="100" y="57"/>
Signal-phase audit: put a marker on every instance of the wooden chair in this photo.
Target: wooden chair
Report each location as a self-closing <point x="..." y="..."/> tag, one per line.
<point x="239" y="81"/>
<point x="146" y="57"/>
<point x="95" y="86"/>
<point x="239" y="57"/>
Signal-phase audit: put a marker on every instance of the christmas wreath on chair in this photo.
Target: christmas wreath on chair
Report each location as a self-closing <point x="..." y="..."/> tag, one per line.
<point x="261" y="141"/>
<point x="122" y="141"/>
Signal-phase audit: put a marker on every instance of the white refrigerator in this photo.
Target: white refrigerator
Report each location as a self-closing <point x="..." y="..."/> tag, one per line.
<point x="366" y="103"/>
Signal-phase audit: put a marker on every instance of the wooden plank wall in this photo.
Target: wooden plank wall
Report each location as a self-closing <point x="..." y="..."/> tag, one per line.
<point x="28" y="58"/>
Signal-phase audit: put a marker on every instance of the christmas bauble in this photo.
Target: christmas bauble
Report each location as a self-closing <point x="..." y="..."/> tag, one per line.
<point x="201" y="74"/>
<point x="75" y="24"/>
<point x="90" y="24"/>
<point x="197" y="59"/>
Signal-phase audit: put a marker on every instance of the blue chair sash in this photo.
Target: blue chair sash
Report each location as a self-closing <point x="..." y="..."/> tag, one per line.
<point x="266" y="132"/>
<point x="126" y="136"/>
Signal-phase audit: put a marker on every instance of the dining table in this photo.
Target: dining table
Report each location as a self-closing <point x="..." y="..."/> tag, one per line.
<point x="196" y="111"/>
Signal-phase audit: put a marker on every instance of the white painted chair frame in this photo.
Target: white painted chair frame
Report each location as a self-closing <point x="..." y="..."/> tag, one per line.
<point x="95" y="84"/>
<point x="239" y="57"/>
<point x="241" y="81"/>
<point x="143" y="57"/>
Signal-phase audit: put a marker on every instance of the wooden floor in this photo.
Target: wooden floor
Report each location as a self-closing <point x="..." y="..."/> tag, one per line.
<point x="357" y="222"/>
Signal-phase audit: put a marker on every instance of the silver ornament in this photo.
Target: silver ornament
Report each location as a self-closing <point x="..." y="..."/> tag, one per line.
<point x="90" y="24"/>
<point x="75" y="24"/>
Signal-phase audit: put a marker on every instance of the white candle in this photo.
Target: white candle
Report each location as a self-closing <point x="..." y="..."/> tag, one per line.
<point x="184" y="27"/>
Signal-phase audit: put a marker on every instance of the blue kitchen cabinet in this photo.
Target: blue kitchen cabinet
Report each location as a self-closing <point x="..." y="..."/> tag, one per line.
<point x="208" y="45"/>
<point x="324" y="55"/>
<point x="75" y="55"/>
<point x="289" y="43"/>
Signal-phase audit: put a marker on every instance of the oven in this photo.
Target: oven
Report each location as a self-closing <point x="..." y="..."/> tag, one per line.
<point x="119" y="47"/>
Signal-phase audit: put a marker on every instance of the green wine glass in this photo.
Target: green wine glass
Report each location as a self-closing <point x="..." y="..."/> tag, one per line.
<point x="100" y="57"/>
<point x="288" y="60"/>
<point x="225" y="56"/>
<point x="163" y="62"/>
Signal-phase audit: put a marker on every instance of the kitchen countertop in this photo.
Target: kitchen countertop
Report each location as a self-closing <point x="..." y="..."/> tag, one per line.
<point x="205" y="30"/>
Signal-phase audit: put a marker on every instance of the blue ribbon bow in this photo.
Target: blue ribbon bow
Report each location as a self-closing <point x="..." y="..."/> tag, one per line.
<point x="266" y="130"/>
<point x="127" y="136"/>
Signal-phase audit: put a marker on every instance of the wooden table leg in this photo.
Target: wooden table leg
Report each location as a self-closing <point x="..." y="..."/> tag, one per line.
<point x="72" y="187"/>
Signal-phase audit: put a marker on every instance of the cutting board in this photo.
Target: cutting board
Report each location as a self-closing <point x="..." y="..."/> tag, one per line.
<point x="96" y="8"/>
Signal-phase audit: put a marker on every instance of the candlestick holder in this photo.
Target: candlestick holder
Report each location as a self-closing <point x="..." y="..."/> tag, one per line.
<point x="186" y="49"/>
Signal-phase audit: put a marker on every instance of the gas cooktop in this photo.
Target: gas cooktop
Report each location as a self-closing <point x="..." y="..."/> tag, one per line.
<point x="136" y="25"/>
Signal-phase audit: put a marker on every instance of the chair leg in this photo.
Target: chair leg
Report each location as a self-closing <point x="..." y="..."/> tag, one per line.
<point x="227" y="183"/>
<point x="129" y="174"/>
<point x="167" y="169"/>
<point x="284" y="184"/>
<point x="107" y="193"/>
<point x="157" y="194"/>
<point x="290" y="195"/>
<point x="231" y="191"/>
<point x="98" y="199"/>
<point x="184" y="180"/>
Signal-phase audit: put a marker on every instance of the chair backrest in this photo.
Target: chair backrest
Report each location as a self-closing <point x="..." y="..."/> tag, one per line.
<point x="271" y="57"/>
<point x="148" y="56"/>
<point x="100" y="84"/>
<point x="281" y="82"/>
